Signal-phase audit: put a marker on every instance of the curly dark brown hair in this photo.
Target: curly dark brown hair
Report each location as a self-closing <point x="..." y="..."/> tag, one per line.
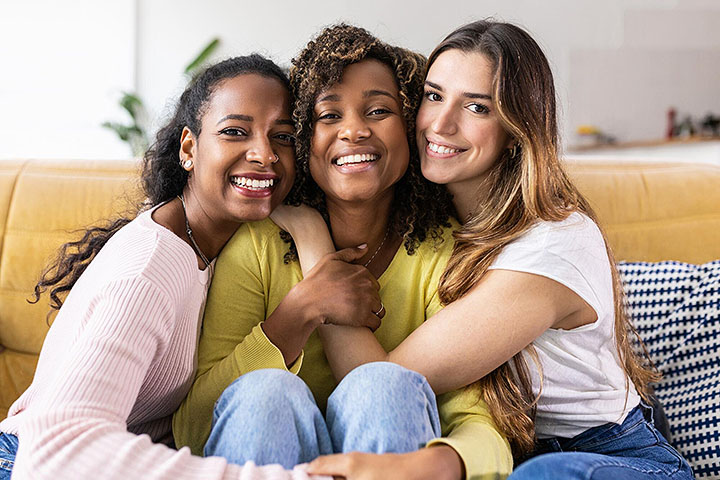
<point x="420" y="208"/>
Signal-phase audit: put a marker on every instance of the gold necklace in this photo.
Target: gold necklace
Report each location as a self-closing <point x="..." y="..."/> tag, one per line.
<point x="188" y="230"/>
<point x="378" y="249"/>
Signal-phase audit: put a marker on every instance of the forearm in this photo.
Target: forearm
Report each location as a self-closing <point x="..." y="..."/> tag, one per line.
<point x="349" y="347"/>
<point x="312" y="242"/>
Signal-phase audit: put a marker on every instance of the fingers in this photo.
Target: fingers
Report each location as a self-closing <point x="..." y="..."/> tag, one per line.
<point x="373" y="322"/>
<point x="336" y="465"/>
<point x="350" y="254"/>
<point x="380" y="311"/>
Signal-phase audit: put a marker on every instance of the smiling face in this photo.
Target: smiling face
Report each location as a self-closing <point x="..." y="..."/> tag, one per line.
<point x="458" y="131"/>
<point x="244" y="157"/>
<point x="359" y="148"/>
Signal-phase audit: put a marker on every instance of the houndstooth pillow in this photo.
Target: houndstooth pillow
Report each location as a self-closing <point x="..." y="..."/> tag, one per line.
<point x="676" y="309"/>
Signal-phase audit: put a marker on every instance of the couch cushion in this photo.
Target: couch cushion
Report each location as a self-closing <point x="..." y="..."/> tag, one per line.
<point x="676" y="308"/>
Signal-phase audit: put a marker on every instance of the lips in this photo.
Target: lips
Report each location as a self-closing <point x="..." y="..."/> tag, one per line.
<point x="254" y="184"/>
<point x="443" y="150"/>
<point x="356" y="158"/>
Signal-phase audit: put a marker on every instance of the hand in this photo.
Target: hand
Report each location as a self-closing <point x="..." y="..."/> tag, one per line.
<point x="436" y="463"/>
<point x="338" y="292"/>
<point x="291" y="219"/>
<point x="361" y="466"/>
<point x="335" y="292"/>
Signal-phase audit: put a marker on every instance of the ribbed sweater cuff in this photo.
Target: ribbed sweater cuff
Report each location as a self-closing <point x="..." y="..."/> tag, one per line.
<point x="257" y="352"/>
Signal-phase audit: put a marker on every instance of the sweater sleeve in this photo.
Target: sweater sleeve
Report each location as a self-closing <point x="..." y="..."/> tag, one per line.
<point x="469" y="429"/>
<point x="232" y="342"/>
<point x="77" y="427"/>
<point x="467" y="424"/>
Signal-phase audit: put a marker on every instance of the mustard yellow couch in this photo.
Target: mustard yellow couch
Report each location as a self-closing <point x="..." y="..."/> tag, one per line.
<point x="650" y="212"/>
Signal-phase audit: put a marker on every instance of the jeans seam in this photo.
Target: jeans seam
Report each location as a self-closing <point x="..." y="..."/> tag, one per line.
<point x="591" y="444"/>
<point x="6" y="464"/>
<point x="594" y="468"/>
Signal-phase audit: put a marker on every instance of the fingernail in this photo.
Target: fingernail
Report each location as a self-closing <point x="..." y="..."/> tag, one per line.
<point x="362" y="246"/>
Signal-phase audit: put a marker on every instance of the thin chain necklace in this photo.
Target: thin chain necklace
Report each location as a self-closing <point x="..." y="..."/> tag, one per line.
<point x="378" y="249"/>
<point x="190" y="235"/>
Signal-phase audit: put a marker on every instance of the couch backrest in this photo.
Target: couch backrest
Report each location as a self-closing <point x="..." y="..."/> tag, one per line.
<point x="649" y="211"/>
<point x="653" y="212"/>
<point x="41" y="204"/>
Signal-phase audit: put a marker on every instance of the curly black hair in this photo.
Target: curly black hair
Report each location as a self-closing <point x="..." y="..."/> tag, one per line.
<point x="420" y="208"/>
<point x="162" y="176"/>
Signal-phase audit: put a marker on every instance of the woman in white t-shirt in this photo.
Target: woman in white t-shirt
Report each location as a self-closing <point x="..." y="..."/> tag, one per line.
<point x="534" y="314"/>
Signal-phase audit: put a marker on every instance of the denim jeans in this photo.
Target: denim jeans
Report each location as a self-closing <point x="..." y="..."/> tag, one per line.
<point x="8" y="449"/>
<point x="631" y="450"/>
<point x="270" y="416"/>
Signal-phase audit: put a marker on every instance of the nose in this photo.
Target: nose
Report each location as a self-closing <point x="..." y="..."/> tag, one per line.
<point x="354" y="128"/>
<point x="261" y="152"/>
<point x="444" y="121"/>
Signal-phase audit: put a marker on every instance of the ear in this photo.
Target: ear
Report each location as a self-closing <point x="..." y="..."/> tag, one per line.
<point x="188" y="145"/>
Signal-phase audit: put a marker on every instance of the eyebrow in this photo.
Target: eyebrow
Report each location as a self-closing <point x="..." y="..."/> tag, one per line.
<point x="465" y="94"/>
<point x="247" y="118"/>
<point x="375" y="93"/>
<point x="366" y="94"/>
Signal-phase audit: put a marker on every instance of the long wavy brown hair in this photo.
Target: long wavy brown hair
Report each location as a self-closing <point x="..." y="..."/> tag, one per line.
<point x="523" y="187"/>
<point x="420" y="208"/>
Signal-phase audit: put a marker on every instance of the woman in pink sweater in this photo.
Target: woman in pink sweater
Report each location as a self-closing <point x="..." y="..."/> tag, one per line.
<point x="120" y="355"/>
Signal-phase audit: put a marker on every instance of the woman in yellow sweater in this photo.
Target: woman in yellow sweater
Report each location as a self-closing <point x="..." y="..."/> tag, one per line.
<point x="358" y="166"/>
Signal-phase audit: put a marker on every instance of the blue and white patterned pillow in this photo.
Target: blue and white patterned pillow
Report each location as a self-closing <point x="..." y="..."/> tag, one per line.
<point x="676" y="309"/>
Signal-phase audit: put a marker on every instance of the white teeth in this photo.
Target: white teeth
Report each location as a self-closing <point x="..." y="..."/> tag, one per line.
<point x="358" y="158"/>
<point x="441" y="149"/>
<point x="252" y="183"/>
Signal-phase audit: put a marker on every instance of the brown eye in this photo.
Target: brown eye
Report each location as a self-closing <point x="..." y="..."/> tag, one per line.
<point x="233" y="132"/>
<point x="433" y="97"/>
<point x="478" y="108"/>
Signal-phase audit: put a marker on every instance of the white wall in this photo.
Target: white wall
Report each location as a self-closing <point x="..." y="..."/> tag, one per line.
<point x="63" y="66"/>
<point x="619" y="64"/>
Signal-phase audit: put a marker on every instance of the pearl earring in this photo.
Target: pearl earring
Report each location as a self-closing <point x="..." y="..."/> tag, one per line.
<point x="187" y="164"/>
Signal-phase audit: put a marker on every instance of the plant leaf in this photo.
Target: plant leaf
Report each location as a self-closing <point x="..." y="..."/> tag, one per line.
<point x="202" y="56"/>
<point x="132" y="104"/>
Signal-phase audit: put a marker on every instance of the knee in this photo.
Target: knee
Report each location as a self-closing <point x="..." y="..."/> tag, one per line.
<point x="256" y="388"/>
<point x="379" y="383"/>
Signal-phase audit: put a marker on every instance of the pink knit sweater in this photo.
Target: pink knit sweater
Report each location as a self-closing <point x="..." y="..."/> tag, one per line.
<point x="115" y="365"/>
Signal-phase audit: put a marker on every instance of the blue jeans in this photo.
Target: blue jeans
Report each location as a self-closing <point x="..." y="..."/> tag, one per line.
<point x="270" y="416"/>
<point x="631" y="450"/>
<point x="8" y="449"/>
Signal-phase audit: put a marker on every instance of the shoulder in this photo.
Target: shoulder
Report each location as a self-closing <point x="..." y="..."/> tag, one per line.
<point x="259" y="239"/>
<point x="577" y="233"/>
<point x="433" y="253"/>
<point x="151" y="255"/>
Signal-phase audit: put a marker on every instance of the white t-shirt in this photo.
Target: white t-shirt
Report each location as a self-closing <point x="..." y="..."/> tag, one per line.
<point x="583" y="383"/>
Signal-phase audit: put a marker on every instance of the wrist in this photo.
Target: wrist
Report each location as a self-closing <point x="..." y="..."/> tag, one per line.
<point x="307" y="314"/>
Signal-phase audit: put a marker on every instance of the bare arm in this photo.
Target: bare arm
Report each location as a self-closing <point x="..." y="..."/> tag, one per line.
<point x="466" y="340"/>
<point x="313" y="241"/>
<point x="471" y="337"/>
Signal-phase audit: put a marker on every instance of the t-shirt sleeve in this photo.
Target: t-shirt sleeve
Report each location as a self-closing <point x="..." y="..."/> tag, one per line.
<point x="232" y="341"/>
<point x="77" y="428"/>
<point x="571" y="252"/>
